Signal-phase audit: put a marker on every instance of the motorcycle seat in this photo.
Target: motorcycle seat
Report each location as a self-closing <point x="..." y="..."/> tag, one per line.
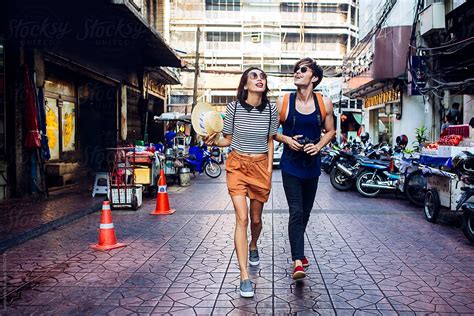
<point x="375" y="161"/>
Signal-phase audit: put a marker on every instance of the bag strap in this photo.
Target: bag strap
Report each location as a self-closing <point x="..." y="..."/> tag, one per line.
<point x="284" y="107"/>
<point x="286" y="102"/>
<point x="322" y="108"/>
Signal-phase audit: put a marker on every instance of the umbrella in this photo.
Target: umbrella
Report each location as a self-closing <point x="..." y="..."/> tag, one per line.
<point x="33" y="137"/>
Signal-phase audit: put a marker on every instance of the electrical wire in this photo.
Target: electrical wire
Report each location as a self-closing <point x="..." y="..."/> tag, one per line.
<point x="444" y="46"/>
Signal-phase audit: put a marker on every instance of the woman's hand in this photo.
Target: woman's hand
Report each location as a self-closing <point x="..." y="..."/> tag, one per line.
<point x="311" y="149"/>
<point x="293" y="143"/>
<point x="212" y="139"/>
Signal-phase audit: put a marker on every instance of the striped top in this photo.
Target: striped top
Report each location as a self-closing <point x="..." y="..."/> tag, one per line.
<point x="251" y="128"/>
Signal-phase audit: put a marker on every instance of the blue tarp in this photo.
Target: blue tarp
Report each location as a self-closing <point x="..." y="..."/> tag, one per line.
<point x="436" y="161"/>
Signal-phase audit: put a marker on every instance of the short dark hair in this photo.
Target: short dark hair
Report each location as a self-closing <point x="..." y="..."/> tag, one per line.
<point x="455" y="105"/>
<point x="242" y="94"/>
<point x="313" y="65"/>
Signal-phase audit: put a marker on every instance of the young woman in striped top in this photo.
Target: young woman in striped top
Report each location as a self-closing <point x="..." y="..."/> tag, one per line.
<point x="249" y="126"/>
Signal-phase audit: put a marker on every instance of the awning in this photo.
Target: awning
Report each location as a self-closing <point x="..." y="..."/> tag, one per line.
<point x="110" y="35"/>
<point x="157" y="52"/>
<point x="173" y="116"/>
<point x="357" y="117"/>
<point x="164" y="75"/>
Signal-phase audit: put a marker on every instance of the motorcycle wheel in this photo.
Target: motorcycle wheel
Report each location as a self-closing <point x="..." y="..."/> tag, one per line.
<point x="339" y="180"/>
<point x="212" y="169"/>
<point x="415" y="187"/>
<point x="432" y="205"/>
<point x="365" y="177"/>
<point x="468" y="226"/>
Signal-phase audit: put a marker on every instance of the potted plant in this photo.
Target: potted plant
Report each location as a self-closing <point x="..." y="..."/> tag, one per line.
<point x="421" y="137"/>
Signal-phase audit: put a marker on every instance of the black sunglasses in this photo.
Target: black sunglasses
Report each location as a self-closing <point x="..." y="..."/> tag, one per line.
<point x="302" y="69"/>
<point x="253" y="75"/>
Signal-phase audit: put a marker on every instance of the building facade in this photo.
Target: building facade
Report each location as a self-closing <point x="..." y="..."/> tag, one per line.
<point x="376" y="72"/>
<point x="444" y="71"/>
<point x="411" y="65"/>
<point x="270" y="34"/>
<point x="89" y="73"/>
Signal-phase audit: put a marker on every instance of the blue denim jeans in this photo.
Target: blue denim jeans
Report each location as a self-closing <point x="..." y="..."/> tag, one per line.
<point x="300" y="194"/>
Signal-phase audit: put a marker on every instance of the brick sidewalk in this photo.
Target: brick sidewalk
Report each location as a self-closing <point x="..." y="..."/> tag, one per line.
<point x="23" y="219"/>
<point x="376" y="256"/>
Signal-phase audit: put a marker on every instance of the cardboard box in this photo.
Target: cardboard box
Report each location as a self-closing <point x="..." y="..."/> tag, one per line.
<point x="142" y="175"/>
<point x="451" y="151"/>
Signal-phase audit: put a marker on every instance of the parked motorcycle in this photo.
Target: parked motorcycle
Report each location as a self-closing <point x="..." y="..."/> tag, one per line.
<point x="412" y="182"/>
<point x="345" y="166"/>
<point x="201" y="160"/>
<point x="375" y="176"/>
<point x="344" y="170"/>
<point x="465" y="170"/>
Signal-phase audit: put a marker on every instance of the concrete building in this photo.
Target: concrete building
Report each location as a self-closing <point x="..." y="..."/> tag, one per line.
<point x="376" y="72"/>
<point x="270" y="34"/>
<point x="411" y="64"/>
<point x="95" y="69"/>
<point x="445" y="41"/>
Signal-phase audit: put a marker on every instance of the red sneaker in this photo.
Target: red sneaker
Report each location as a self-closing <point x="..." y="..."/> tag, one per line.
<point x="305" y="262"/>
<point x="298" y="273"/>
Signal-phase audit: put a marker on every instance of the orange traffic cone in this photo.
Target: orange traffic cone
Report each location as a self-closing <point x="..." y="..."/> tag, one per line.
<point x="162" y="202"/>
<point x="107" y="239"/>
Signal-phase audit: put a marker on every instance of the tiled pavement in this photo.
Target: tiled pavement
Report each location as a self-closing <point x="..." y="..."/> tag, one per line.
<point x="23" y="219"/>
<point x="369" y="256"/>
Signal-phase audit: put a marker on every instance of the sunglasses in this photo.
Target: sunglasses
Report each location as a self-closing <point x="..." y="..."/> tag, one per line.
<point x="254" y="75"/>
<point x="302" y="69"/>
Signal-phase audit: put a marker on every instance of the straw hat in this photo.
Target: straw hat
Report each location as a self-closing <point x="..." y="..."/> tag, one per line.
<point x="206" y="120"/>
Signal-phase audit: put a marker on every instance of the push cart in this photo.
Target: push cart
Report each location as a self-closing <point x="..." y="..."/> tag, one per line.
<point x="123" y="191"/>
<point x="146" y="168"/>
<point x="444" y="188"/>
<point x="447" y="192"/>
<point x="442" y="192"/>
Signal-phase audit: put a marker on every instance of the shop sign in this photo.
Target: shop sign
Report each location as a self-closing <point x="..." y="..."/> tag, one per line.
<point x="381" y="98"/>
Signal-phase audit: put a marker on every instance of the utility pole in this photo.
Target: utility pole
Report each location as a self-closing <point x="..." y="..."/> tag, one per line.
<point x="196" y="76"/>
<point x="196" y="70"/>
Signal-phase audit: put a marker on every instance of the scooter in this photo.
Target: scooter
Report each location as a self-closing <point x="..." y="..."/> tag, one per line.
<point x="376" y="175"/>
<point x="200" y="159"/>
<point x="468" y="208"/>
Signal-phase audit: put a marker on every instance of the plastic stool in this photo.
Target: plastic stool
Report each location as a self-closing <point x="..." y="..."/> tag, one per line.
<point x="101" y="183"/>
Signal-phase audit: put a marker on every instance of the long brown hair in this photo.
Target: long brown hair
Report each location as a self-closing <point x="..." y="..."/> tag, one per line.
<point x="242" y="93"/>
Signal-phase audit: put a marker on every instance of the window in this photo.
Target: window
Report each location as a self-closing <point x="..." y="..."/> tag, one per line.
<point x="289" y="7"/>
<point x="223" y="36"/>
<point x="291" y="38"/>
<point x="287" y="69"/>
<point x="181" y="99"/>
<point x="329" y="7"/>
<point x="60" y="108"/>
<point x="323" y="7"/>
<point x="327" y="39"/>
<point x="311" y="38"/>
<point x="310" y="7"/>
<point x="223" y="5"/>
<point x="222" y="99"/>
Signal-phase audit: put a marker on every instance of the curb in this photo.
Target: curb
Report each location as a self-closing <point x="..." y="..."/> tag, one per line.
<point x="20" y="238"/>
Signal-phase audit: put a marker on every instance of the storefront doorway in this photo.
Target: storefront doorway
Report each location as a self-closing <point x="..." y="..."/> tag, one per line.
<point x="97" y="122"/>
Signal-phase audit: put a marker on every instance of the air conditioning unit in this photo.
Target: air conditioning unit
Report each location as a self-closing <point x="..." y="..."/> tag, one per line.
<point x="255" y="37"/>
<point x="433" y="17"/>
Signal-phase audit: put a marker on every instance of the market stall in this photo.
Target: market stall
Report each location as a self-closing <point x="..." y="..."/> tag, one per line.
<point x="446" y="186"/>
